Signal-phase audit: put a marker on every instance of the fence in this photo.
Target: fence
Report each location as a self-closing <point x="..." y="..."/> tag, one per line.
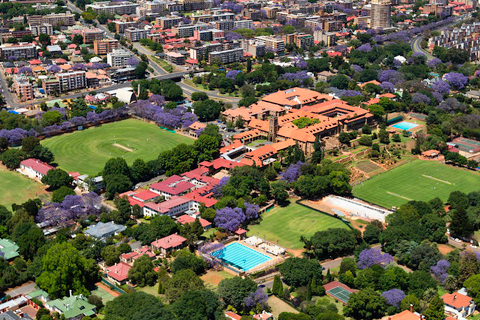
<point x="113" y="286"/>
<point x="347" y="223"/>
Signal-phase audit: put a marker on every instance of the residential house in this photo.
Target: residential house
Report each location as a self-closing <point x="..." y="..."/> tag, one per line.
<point x="34" y="168"/>
<point x="118" y="273"/>
<point x="458" y="304"/>
<point x="102" y="231"/>
<point x="168" y="244"/>
<point x="185" y="219"/>
<point x="195" y="128"/>
<point x="8" y="249"/>
<point x="71" y="307"/>
<point x="172" y="186"/>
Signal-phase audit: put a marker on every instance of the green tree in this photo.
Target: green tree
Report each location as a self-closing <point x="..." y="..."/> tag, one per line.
<point x="181" y="282"/>
<point x="29" y="239"/>
<point x="469" y="266"/>
<point x="365" y="305"/>
<point x="198" y="305"/>
<point x="142" y="272"/>
<point x="299" y="272"/>
<point x="233" y="291"/>
<point x="116" y="166"/>
<point x="188" y="260"/>
<point x="472" y="284"/>
<point x="333" y="242"/>
<point x="111" y="255"/>
<point x="460" y="225"/>
<point x="116" y="183"/>
<point x="277" y="288"/>
<point x="436" y="309"/>
<point x="12" y="158"/>
<point x="60" y="194"/>
<point x="199" y="96"/>
<point x="51" y="117"/>
<point x="136" y="306"/>
<point x="340" y="82"/>
<point x="57" y="178"/>
<point x="383" y="136"/>
<point x="29" y="143"/>
<point x="64" y="269"/>
<point x="140" y="170"/>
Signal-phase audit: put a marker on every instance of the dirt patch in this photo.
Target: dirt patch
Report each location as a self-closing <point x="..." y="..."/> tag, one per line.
<point x="444" y="248"/>
<point x="104" y="287"/>
<point x="212" y="278"/>
<point x="123" y="147"/>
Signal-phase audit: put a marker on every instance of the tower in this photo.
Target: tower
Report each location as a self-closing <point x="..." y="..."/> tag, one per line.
<point x="272" y="129"/>
<point x="381" y="14"/>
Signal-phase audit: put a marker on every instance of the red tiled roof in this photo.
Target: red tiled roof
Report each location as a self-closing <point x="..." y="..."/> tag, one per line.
<point x="37" y="165"/>
<point x="119" y="271"/>
<point x="456" y="300"/>
<point x="145" y="195"/>
<point x="166" y="206"/>
<point x="173" y="185"/>
<point x="171" y="241"/>
<point x="188" y="219"/>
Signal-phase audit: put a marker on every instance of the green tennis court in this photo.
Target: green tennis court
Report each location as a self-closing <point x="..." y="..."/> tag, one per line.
<point x="340" y="294"/>
<point x="103" y="294"/>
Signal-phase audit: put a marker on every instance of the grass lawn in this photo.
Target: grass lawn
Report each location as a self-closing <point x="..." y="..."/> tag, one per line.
<point x="153" y="291"/>
<point x="278" y="306"/>
<point x="106" y="296"/>
<point x="17" y="188"/>
<point x="285" y="225"/>
<point x="87" y="151"/>
<point x="213" y="278"/>
<point x="417" y="180"/>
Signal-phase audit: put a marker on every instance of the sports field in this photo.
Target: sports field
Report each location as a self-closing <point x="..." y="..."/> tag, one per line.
<point x="285" y="225"/>
<point x="87" y="151"/>
<point x="417" y="180"/>
<point x="17" y="188"/>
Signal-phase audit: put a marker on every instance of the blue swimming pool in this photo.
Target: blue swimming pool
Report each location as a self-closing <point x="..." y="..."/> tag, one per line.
<point x="240" y="256"/>
<point x="404" y="125"/>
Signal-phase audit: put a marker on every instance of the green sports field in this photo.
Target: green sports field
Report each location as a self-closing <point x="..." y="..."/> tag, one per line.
<point x="17" y="188"/>
<point x="87" y="151"/>
<point x="417" y="180"/>
<point x="285" y="225"/>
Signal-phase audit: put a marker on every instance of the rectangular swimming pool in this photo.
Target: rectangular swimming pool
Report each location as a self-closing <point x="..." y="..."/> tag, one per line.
<point x="240" y="256"/>
<point x="404" y="125"/>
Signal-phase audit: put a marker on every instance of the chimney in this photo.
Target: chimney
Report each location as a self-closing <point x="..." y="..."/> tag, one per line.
<point x="454" y="297"/>
<point x="70" y="291"/>
<point x="411" y="308"/>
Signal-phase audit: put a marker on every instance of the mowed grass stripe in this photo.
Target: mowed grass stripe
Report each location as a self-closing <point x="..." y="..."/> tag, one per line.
<point x="87" y="151"/>
<point x="17" y="188"/>
<point x="287" y="224"/>
<point x="417" y="180"/>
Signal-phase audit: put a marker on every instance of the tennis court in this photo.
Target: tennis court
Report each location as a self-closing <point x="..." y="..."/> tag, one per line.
<point x="102" y="293"/>
<point x="340" y="294"/>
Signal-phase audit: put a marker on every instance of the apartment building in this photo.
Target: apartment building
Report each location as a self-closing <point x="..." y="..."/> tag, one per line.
<point x="168" y="22"/>
<point x="225" y="25"/>
<point x="198" y="53"/>
<point x="120" y="26"/>
<point x="72" y="80"/>
<point x="184" y="31"/>
<point x="226" y="56"/>
<point x="44" y="28"/>
<point x="271" y="12"/>
<point x="243" y="24"/>
<point x="328" y="38"/>
<point x="107" y="7"/>
<point x="23" y="89"/>
<point x="102" y="47"/>
<point x="19" y="50"/>
<point x="119" y="57"/>
<point x="301" y="40"/>
<point x="51" y="85"/>
<point x="192" y="5"/>
<point x="175" y="58"/>
<point x="254" y="47"/>
<point x="273" y="44"/>
<point x="55" y="19"/>
<point x="252" y="14"/>
<point x="17" y="34"/>
<point x="135" y="34"/>
<point x="91" y="35"/>
<point x="381" y="14"/>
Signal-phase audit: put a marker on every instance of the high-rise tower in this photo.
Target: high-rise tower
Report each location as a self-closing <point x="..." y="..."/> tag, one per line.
<point x="381" y="14"/>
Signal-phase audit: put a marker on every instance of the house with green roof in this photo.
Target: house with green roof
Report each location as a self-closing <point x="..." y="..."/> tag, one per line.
<point x="71" y="307"/>
<point x="8" y="249"/>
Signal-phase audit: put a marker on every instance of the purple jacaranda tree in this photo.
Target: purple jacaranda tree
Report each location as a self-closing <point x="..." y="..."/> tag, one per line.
<point x="449" y="105"/>
<point x="78" y="121"/>
<point x="437" y="96"/>
<point x="441" y="86"/>
<point x="54" y="69"/>
<point x="418" y="97"/>
<point x="186" y="20"/>
<point x="439" y="271"/>
<point x="92" y="117"/>
<point x="157" y="99"/>
<point x="230" y="36"/>
<point x="356" y="68"/>
<point x="254" y="298"/>
<point x="455" y="79"/>
<point x="66" y="125"/>
<point x="251" y="211"/>
<point x="25" y="70"/>
<point x="387" y="86"/>
<point x="292" y="173"/>
<point x="217" y="189"/>
<point x="187" y="119"/>
<point x="14" y="136"/>
<point x="391" y="76"/>
<point x="79" y="67"/>
<point x="132" y="62"/>
<point x="232" y="74"/>
<point x="13" y="58"/>
<point x="394" y="297"/>
<point x="350" y="93"/>
<point x="212" y="247"/>
<point x="53" y="129"/>
<point x="228" y="5"/>
<point x="229" y="218"/>
<point x="296" y="76"/>
<point x="370" y="257"/>
<point x="63" y="111"/>
<point x="366" y="47"/>
<point x="434" y="63"/>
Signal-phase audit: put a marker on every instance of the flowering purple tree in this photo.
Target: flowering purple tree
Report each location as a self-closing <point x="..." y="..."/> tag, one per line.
<point x="297" y="76"/>
<point x="14" y="136"/>
<point x="13" y="58"/>
<point x="217" y="189"/>
<point x="230" y="36"/>
<point x="251" y="211"/>
<point x="206" y="253"/>
<point x="79" y="67"/>
<point x="366" y="47"/>
<point x="394" y="297"/>
<point x="292" y="173"/>
<point x="254" y="298"/>
<point x="24" y="70"/>
<point x="434" y="63"/>
<point x="157" y="99"/>
<point x="370" y="257"/>
<point x="63" y="111"/>
<point x="186" y="20"/>
<point x="92" y="117"/>
<point x="356" y="68"/>
<point x="231" y="6"/>
<point x="387" y="86"/>
<point x="391" y="76"/>
<point x="232" y="74"/>
<point x="187" y="119"/>
<point x="456" y="79"/>
<point x="54" y="69"/>
<point x="449" y="105"/>
<point x="420" y="98"/>
<point x="439" y="270"/>
<point x="350" y="93"/>
<point x="78" y="121"/>
<point x="132" y="62"/>
<point x="441" y="86"/>
<point x="437" y="96"/>
<point x="229" y="218"/>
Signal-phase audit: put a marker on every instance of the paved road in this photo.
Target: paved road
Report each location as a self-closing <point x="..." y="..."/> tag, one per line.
<point x="23" y="289"/>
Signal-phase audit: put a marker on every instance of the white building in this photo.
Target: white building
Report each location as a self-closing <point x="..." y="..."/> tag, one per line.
<point x="119" y="57"/>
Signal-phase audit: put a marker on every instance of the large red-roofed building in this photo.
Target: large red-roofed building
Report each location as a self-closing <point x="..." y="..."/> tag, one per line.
<point x="35" y="168"/>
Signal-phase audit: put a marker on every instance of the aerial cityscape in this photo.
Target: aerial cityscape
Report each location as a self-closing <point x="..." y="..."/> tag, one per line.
<point x="240" y="160"/>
